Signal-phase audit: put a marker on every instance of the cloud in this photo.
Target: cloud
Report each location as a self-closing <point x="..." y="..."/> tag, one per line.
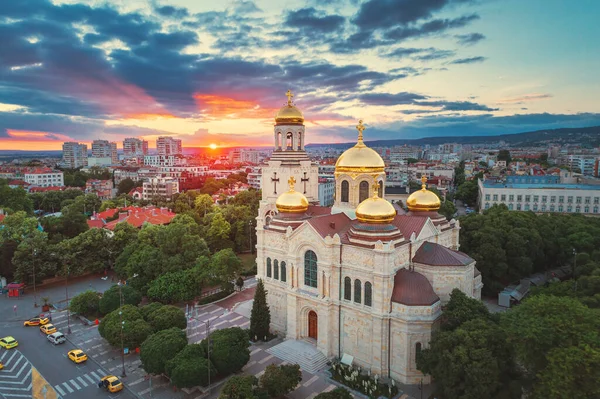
<point x="311" y="19"/>
<point x="420" y="54"/>
<point x="172" y="12"/>
<point x="429" y="28"/>
<point x="457" y="105"/>
<point x="435" y="55"/>
<point x="390" y="99"/>
<point x="525" y="98"/>
<point x="469" y="39"/>
<point x="471" y="60"/>
<point x="406" y="98"/>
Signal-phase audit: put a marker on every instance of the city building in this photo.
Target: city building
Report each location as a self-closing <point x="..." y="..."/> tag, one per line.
<point x="44" y="177"/>
<point x="132" y="215"/>
<point x="102" y="188"/>
<point x="74" y="155"/>
<point x="255" y="178"/>
<point x="357" y="278"/>
<point x="165" y="160"/>
<point x="101" y="162"/>
<point x="163" y="187"/>
<point x="134" y="147"/>
<point x="166" y="145"/>
<point x="585" y="164"/>
<point x="105" y="149"/>
<point x="251" y="156"/>
<point x="326" y="192"/>
<point x="539" y="194"/>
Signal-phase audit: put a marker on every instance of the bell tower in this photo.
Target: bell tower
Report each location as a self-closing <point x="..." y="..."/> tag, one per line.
<point x="289" y="158"/>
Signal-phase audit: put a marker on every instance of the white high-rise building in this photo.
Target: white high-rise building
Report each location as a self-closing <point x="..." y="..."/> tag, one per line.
<point x="166" y="145"/>
<point x="134" y="147"/>
<point x="105" y="149"/>
<point x="74" y="155"/>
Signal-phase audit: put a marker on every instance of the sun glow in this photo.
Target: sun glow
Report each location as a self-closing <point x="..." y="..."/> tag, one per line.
<point x="212" y="146"/>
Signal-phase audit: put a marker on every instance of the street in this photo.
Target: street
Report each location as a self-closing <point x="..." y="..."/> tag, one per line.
<point x="38" y="369"/>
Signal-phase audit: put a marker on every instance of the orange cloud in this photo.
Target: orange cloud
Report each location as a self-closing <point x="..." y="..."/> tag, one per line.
<point x="32" y="140"/>
<point x="216" y="106"/>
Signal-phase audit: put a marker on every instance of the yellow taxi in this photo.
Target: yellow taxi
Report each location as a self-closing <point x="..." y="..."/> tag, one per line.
<point x="77" y="356"/>
<point x="36" y="321"/>
<point x="111" y="383"/>
<point x="48" y="329"/>
<point x="8" y="343"/>
<point x="1" y="366"/>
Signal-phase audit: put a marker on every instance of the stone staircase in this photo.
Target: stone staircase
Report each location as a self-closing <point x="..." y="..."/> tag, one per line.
<point x="306" y="355"/>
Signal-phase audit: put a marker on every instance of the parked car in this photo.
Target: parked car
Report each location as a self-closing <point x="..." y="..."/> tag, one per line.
<point x="8" y="343"/>
<point x="57" y="338"/>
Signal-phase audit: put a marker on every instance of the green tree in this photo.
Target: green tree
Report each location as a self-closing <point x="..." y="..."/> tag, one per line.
<point x="111" y="299"/>
<point x="468" y="192"/>
<point x="150" y="308"/>
<point x="135" y="328"/>
<point x="460" y="309"/>
<point x="544" y="323"/>
<point x="16" y="228"/>
<point x="203" y="204"/>
<point x="125" y="186"/>
<point x="470" y="362"/>
<point x="278" y="381"/>
<point x="161" y="347"/>
<point x="337" y="393"/>
<point x="166" y="317"/>
<point x="190" y="367"/>
<point x="504" y="155"/>
<point x="87" y="303"/>
<point x="240" y="387"/>
<point x="218" y="231"/>
<point x="14" y="199"/>
<point x="260" y="316"/>
<point x="223" y="268"/>
<point x="229" y="349"/>
<point x="179" y="286"/>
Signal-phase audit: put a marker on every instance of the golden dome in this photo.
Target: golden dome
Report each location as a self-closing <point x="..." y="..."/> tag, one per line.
<point x="292" y="201"/>
<point x="360" y="158"/>
<point x="289" y="114"/>
<point x="375" y="209"/>
<point x="423" y="200"/>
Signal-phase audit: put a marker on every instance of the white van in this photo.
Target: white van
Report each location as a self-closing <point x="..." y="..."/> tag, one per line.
<point x="57" y="338"/>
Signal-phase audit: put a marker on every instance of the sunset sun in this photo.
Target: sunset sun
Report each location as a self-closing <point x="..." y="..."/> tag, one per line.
<point x="212" y="146"/>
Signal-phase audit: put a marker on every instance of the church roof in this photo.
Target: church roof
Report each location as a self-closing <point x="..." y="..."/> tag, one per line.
<point x="413" y="289"/>
<point x="331" y="224"/>
<point x="408" y="224"/>
<point x="438" y="255"/>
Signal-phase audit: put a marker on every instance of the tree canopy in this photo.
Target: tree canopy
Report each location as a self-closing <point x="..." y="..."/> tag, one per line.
<point x="260" y="316"/>
<point x="160" y="347"/>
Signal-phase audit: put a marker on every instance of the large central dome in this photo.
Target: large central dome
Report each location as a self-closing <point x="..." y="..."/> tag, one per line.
<point x="360" y="158"/>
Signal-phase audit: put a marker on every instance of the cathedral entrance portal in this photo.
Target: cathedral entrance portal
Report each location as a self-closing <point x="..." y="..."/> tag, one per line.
<point x="312" y="325"/>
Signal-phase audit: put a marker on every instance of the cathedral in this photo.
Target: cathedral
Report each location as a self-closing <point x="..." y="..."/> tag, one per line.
<point x="357" y="278"/>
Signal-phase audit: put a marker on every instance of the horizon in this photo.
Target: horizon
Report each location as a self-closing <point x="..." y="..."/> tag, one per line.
<point x="79" y="70"/>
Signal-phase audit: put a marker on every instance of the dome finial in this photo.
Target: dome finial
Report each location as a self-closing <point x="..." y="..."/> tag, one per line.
<point x="360" y="127"/>
<point x="424" y="182"/>
<point x="289" y="96"/>
<point x="292" y="182"/>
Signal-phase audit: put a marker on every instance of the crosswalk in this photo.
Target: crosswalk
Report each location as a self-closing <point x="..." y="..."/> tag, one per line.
<point x="15" y="378"/>
<point x="78" y="383"/>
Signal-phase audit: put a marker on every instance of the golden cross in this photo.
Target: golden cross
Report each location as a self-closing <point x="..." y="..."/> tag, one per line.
<point x="360" y="127"/>
<point x="289" y="96"/>
<point x="291" y="182"/>
<point x="424" y="181"/>
<point x="376" y="189"/>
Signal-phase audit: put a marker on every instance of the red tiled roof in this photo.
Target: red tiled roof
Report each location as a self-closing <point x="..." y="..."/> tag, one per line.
<point x="316" y="210"/>
<point x="2" y="216"/>
<point x="98" y="224"/>
<point x="437" y="255"/>
<point x="134" y="216"/>
<point x="45" y="189"/>
<point x="331" y="224"/>
<point x="413" y="289"/>
<point x="408" y="224"/>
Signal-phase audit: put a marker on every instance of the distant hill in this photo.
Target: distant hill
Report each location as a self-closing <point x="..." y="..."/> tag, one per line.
<point x="587" y="136"/>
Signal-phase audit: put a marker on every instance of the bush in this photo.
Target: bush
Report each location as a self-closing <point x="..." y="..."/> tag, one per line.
<point x="173" y="287"/>
<point x="190" y="367"/>
<point x="215" y="297"/>
<point x="338" y="393"/>
<point x="352" y="377"/>
<point x="135" y="328"/>
<point x="111" y="298"/>
<point x="150" y="308"/>
<point x="278" y="381"/>
<point x="166" y="317"/>
<point x="229" y="349"/>
<point x="86" y="304"/>
<point x="240" y="387"/>
<point x="161" y="347"/>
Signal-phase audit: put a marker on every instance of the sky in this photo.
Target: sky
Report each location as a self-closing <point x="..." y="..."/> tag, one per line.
<point x="217" y="72"/>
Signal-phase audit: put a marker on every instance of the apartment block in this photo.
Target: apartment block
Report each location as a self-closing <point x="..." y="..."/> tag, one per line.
<point x="163" y="187"/>
<point x="135" y="147"/>
<point x="105" y="149"/>
<point x="74" y="155"/>
<point x="166" y="145"/>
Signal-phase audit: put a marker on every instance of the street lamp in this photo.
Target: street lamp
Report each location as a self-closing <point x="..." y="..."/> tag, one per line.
<point x="574" y="266"/>
<point x="123" y="374"/>
<point x="250" y="228"/>
<point x="67" y="296"/>
<point x="34" y="253"/>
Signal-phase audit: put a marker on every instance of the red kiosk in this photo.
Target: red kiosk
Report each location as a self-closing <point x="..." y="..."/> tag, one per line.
<point x="15" y="289"/>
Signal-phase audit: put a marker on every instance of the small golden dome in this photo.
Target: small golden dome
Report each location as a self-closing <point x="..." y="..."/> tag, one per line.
<point x="360" y="158"/>
<point x="292" y="201"/>
<point x="375" y="209"/>
<point x="423" y="200"/>
<point x="289" y="114"/>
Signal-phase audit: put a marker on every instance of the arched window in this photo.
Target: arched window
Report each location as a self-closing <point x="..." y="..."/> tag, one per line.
<point x="276" y="269"/>
<point x="283" y="272"/>
<point x="363" y="192"/>
<point x="299" y="141"/>
<point x="310" y="269"/>
<point x="417" y="350"/>
<point x="345" y="190"/>
<point x="348" y="289"/>
<point x="357" y="291"/>
<point x="368" y="294"/>
<point x="289" y="141"/>
<point x="380" y="190"/>
<point x="278" y="146"/>
<point x="268" y="267"/>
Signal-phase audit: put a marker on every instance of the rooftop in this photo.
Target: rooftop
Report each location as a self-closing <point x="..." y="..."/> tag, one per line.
<point x="558" y="186"/>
